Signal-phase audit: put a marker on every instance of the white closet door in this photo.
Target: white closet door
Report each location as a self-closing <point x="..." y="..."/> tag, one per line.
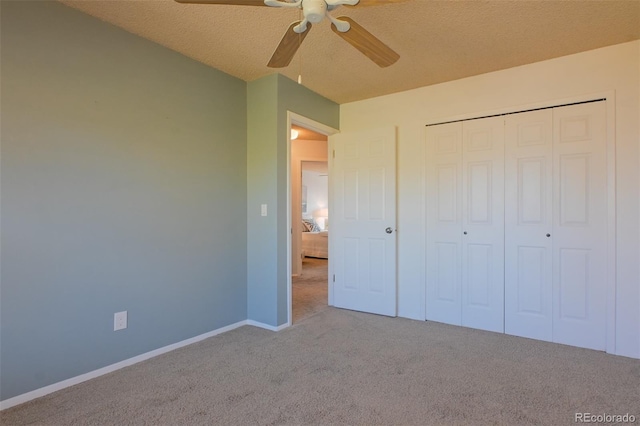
<point x="363" y="221"/>
<point x="528" y="224"/>
<point x="443" y="149"/>
<point x="580" y="225"/>
<point x="483" y="224"/>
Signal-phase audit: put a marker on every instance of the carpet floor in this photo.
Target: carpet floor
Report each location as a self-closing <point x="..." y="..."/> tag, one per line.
<point x="342" y="367"/>
<point x="309" y="291"/>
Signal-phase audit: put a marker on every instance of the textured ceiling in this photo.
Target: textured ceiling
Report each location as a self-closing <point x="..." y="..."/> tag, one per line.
<point x="437" y="41"/>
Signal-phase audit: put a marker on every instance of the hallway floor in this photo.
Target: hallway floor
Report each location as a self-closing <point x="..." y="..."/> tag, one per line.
<point x="310" y="292"/>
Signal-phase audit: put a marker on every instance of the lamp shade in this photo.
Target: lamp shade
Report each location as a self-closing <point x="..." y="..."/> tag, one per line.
<point x="321" y="213"/>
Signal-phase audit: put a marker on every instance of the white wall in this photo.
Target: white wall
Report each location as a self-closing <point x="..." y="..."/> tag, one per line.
<point x="614" y="68"/>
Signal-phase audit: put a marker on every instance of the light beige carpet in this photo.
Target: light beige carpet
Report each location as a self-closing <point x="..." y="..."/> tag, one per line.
<point x="310" y="289"/>
<point x="342" y="367"/>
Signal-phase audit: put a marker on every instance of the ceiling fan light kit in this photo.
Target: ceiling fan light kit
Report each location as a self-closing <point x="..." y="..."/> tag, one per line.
<point x="313" y="12"/>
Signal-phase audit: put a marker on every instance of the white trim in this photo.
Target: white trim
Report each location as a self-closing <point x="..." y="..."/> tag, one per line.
<point x="25" y="397"/>
<point x="610" y="124"/>
<point x="300" y="120"/>
<point x="308" y="123"/>
<point x="330" y="160"/>
<point x="423" y="222"/>
<point x="267" y="326"/>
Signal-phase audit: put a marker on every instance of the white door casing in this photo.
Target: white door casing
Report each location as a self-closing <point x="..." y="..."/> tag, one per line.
<point x="293" y="118"/>
<point x="363" y="221"/>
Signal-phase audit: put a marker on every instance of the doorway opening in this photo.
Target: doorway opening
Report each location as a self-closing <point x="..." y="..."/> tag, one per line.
<point x="310" y="284"/>
<point x="309" y="212"/>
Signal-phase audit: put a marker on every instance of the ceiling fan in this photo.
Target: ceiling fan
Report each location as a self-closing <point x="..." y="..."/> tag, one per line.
<point x="314" y="11"/>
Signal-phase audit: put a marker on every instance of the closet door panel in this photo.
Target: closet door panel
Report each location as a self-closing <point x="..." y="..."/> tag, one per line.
<point x="443" y="185"/>
<point x="483" y="224"/>
<point x="528" y="221"/>
<point x="580" y="224"/>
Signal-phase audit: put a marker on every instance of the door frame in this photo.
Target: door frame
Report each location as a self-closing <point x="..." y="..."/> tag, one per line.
<point x="302" y="121"/>
<point x="610" y="102"/>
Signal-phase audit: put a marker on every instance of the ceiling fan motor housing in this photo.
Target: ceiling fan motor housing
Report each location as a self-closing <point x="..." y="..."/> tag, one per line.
<point x="314" y="10"/>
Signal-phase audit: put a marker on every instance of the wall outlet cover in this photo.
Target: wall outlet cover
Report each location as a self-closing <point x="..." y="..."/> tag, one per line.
<point x="119" y="320"/>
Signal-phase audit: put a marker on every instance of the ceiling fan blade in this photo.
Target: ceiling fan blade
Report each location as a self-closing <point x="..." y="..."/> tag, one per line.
<point x="228" y="2"/>
<point x="367" y="43"/>
<point x="288" y="47"/>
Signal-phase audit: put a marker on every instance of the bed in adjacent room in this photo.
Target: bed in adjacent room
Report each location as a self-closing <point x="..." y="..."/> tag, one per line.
<point x="315" y="243"/>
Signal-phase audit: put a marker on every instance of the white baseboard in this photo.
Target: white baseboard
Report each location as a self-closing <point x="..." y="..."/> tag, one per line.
<point x="267" y="326"/>
<point x="25" y="397"/>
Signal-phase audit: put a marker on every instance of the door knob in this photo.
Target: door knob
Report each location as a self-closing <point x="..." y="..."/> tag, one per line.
<point x="548" y="235"/>
<point x="388" y="230"/>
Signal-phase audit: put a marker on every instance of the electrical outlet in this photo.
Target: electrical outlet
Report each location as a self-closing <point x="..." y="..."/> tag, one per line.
<point x="263" y="210"/>
<point x="119" y="320"/>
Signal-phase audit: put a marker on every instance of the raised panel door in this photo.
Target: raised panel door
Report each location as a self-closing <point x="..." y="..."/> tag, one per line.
<point x="528" y="221"/>
<point x="443" y="193"/>
<point x="482" y="294"/>
<point x="364" y="208"/>
<point x="580" y="225"/>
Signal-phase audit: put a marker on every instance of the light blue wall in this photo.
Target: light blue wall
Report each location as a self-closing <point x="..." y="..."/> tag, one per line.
<point x="124" y="187"/>
<point x="269" y="99"/>
<point x="262" y="232"/>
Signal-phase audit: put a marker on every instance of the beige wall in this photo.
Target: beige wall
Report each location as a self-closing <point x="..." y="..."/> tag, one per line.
<point x="612" y="69"/>
<point x="301" y="150"/>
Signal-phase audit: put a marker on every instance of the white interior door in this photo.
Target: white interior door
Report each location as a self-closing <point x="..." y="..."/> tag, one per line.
<point x="443" y="187"/>
<point x="528" y="224"/>
<point x="483" y="224"/>
<point x="363" y="221"/>
<point x="580" y="225"/>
